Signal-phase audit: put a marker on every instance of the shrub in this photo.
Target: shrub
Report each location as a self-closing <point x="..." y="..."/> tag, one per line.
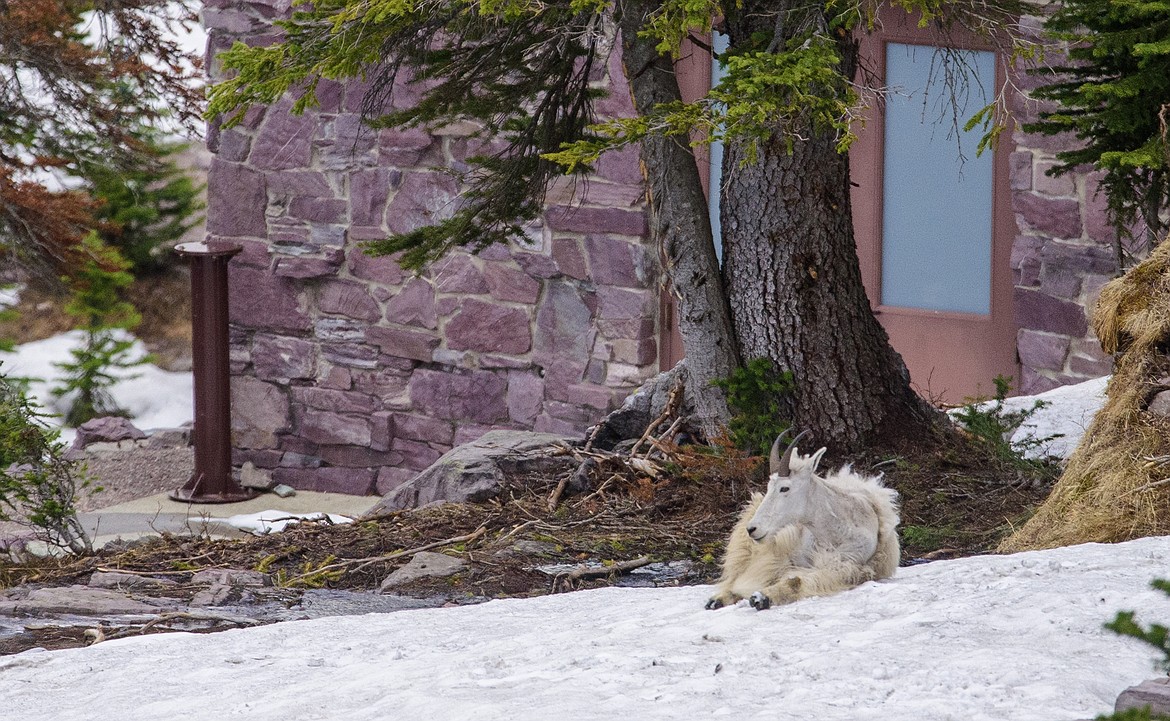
<point x="990" y="424"/>
<point x="755" y="395"/>
<point x="38" y="486"/>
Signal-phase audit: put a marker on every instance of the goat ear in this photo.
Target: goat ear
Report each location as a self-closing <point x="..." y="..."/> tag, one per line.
<point x="815" y="460"/>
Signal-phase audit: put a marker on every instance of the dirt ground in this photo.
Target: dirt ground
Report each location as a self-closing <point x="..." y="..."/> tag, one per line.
<point x="954" y="503"/>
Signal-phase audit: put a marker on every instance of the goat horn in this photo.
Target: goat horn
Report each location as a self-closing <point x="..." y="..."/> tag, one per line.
<point x="779" y="465"/>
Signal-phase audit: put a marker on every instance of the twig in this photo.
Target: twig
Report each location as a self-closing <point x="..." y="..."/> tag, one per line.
<point x="580" y="573"/>
<point x="515" y="530"/>
<point x="672" y="403"/>
<point x="363" y="562"/>
<point x="555" y="498"/>
<point x="1147" y="486"/>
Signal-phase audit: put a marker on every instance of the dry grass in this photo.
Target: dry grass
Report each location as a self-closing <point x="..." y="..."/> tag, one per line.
<point x="1117" y="484"/>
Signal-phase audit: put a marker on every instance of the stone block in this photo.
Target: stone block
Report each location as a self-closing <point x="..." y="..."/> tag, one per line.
<point x="1055" y="217"/>
<point x="324" y="428"/>
<point x="339" y="330"/>
<point x="564" y="325"/>
<point x="351" y="355"/>
<point x="299" y="183"/>
<point x="1042" y="350"/>
<point x="355" y="481"/>
<point x="381" y="269"/>
<point x="569" y="257"/>
<point x="423" y="199"/>
<point x="616" y="262"/>
<point x="404" y="147"/>
<point x="335" y="401"/>
<point x="626" y="313"/>
<point x="467" y="433"/>
<point x="537" y="265"/>
<point x="390" y="478"/>
<point x="423" y="428"/>
<point x="369" y="191"/>
<point x="259" y="412"/>
<point x="319" y="210"/>
<point x="1037" y="311"/>
<point x="351" y="300"/>
<point x="561" y="374"/>
<point x="457" y="273"/>
<point x="621" y="166"/>
<point x="282" y="358"/>
<point x="510" y="284"/>
<point x="477" y="396"/>
<point x="1021" y="170"/>
<point x="525" y="397"/>
<point x="589" y="395"/>
<point x="236" y="199"/>
<point x="285" y="140"/>
<point x="489" y="328"/>
<point x="1063" y="186"/>
<point x="415" y="454"/>
<point x="596" y="220"/>
<point x="358" y="457"/>
<point x="414" y="305"/>
<point x="403" y="343"/>
<point x="259" y="300"/>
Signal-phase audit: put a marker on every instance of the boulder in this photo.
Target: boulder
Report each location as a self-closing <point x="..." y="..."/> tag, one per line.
<point x="110" y="429"/>
<point x="79" y="600"/>
<point x="640" y="408"/>
<point x="1154" y="693"/>
<point x="424" y="565"/>
<point x="475" y="472"/>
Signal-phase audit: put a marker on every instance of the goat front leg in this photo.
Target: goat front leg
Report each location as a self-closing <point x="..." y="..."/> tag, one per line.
<point x="804" y="582"/>
<point x="723" y="597"/>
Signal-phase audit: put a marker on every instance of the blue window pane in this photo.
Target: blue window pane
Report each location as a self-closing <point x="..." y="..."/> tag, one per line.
<point x="719" y="43"/>
<point x="937" y="205"/>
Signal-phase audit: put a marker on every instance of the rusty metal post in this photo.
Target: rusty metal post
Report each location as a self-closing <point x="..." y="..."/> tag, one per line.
<point x="212" y="480"/>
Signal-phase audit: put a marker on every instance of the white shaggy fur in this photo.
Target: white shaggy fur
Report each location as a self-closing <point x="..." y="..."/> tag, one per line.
<point x="809" y="536"/>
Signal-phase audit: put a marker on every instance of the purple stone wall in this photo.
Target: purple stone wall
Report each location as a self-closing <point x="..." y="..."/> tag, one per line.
<point x="1063" y="254"/>
<point x="350" y="375"/>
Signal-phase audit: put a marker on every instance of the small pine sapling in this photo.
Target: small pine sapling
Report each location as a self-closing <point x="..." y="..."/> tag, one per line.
<point x="756" y="394"/>
<point x="38" y="486"/>
<point x="97" y="303"/>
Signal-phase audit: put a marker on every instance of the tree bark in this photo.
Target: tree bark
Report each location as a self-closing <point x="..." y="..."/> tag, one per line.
<point x="679" y="224"/>
<point x="794" y="280"/>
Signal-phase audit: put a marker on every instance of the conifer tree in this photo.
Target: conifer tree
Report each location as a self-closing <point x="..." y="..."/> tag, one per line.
<point x="1114" y="95"/>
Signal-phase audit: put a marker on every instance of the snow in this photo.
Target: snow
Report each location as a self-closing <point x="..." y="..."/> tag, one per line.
<point x="154" y="397"/>
<point x="1066" y="413"/>
<point x="993" y="638"/>
<point x="273" y="521"/>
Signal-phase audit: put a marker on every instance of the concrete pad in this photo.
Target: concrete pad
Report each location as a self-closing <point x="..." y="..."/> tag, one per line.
<point x="154" y="515"/>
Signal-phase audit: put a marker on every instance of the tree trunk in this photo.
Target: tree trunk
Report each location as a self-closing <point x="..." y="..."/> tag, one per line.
<point x="679" y="224"/>
<point x="794" y="280"/>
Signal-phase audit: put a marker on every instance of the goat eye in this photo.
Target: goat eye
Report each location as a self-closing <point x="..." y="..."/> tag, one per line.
<point x="783" y="489"/>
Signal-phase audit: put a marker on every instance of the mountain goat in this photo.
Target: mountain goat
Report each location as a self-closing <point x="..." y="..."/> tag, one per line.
<point x="809" y="535"/>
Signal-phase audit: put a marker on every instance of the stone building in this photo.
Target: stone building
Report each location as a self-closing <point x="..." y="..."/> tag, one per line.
<point x="350" y="375"/>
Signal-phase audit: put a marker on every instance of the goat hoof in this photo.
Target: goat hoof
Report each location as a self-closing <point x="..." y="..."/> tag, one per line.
<point x="713" y="603"/>
<point x="759" y="601"/>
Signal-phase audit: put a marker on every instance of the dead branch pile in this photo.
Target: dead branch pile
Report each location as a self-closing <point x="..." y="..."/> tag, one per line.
<point x="1117" y="484"/>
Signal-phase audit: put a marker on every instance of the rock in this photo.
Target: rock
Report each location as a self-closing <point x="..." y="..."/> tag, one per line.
<point x="80" y="600"/>
<point x="1160" y="405"/>
<point x="284" y="491"/>
<point x="525" y="547"/>
<point x="231" y="577"/>
<point x="170" y="438"/>
<point x="640" y="408"/>
<point x="110" y="429"/>
<point x="117" y="580"/>
<point x="1154" y="693"/>
<point x="474" y="472"/>
<point x="424" y="565"/>
<point x="221" y="594"/>
<point x="253" y="477"/>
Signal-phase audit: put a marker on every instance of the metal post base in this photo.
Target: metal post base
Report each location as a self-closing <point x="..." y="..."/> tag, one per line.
<point x="194" y="491"/>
